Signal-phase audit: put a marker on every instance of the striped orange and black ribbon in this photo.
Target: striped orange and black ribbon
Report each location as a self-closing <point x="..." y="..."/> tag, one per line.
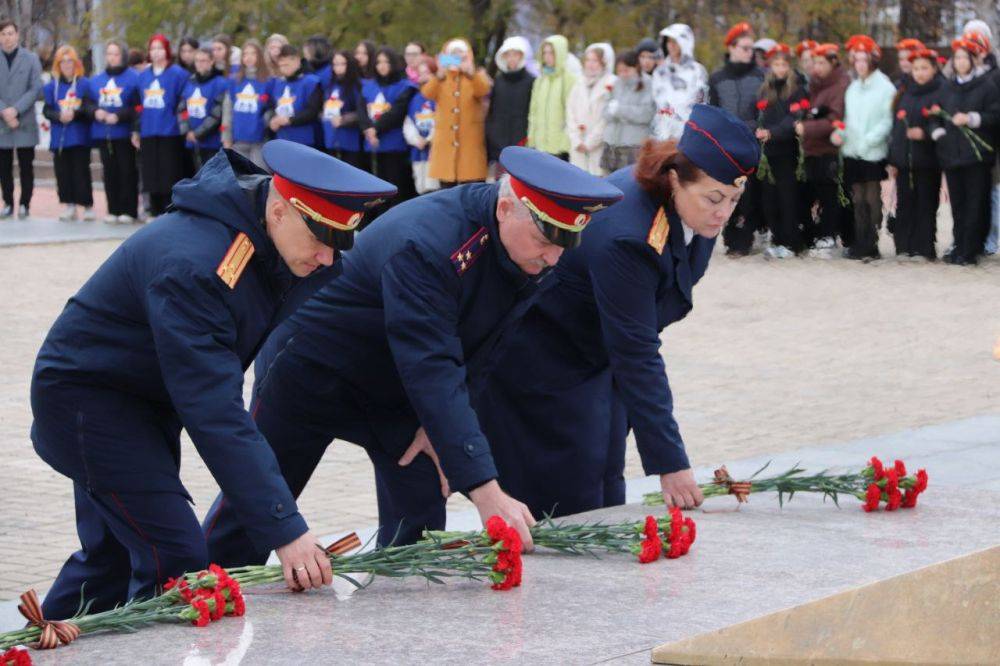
<point x="344" y="544"/>
<point x="54" y="632"/>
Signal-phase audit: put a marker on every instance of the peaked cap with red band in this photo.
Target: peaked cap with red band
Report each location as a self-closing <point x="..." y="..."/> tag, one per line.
<point x="560" y="196"/>
<point x="737" y="31"/>
<point x="720" y="144"/>
<point x="325" y="190"/>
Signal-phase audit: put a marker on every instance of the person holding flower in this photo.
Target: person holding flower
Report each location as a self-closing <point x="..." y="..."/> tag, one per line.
<point x="585" y="108"/>
<point x="913" y="163"/>
<point x="827" y="86"/>
<point x="963" y="131"/>
<point x="865" y="142"/>
<point x="776" y="132"/>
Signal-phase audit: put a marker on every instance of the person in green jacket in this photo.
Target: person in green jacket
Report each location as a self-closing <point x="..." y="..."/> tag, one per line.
<point x="547" y="113"/>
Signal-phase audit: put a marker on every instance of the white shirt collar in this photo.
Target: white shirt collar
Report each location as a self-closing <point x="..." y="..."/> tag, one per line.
<point x="688" y="233"/>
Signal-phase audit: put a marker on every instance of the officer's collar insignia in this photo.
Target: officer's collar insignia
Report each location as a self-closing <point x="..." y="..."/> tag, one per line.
<point x="658" y="233"/>
<point x="463" y="258"/>
<point x="594" y="208"/>
<point x="740" y="181"/>
<point x="235" y="262"/>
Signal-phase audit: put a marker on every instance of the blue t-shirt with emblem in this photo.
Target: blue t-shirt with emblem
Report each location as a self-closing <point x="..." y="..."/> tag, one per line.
<point x="68" y="96"/>
<point x="337" y="102"/>
<point x="289" y="98"/>
<point x="249" y="99"/>
<point x="200" y="99"/>
<point x="114" y="93"/>
<point x="421" y="114"/>
<point x="378" y="99"/>
<point x="159" y="97"/>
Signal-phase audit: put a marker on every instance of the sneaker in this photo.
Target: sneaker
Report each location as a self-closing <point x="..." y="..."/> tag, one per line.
<point x="88" y="215"/>
<point x="68" y="213"/>
<point x="826" y="243"/>
<point x="126" y="219"/>
<point x="778" y="252"/>
<point x="22" y="212"/>
<point x="110" y="219"/>
<point x="7" y="212"/>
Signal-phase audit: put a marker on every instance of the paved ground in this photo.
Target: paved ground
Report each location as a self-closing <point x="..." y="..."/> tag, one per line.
<point x="774" y="357"/>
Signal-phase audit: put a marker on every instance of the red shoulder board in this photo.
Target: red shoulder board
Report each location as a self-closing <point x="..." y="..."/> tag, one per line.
<point x="463" y="258"/>
<point x="235" y="262"/>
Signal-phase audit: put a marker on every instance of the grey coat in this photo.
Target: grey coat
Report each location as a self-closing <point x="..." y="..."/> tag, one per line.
<point x="629" y="112"/>
<point x="20" y="87"/>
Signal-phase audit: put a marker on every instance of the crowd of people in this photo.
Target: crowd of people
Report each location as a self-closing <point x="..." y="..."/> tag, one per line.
<point x="845" y="148"/>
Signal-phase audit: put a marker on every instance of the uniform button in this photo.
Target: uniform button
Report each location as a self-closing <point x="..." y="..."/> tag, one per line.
<point x="455" y="144"/>
<point x="280" y="507"/>
<point x="454" y="127"/>
<point x="455" y="110"/>
<point x="470" y="448"/>
<point x="456" y="93"/>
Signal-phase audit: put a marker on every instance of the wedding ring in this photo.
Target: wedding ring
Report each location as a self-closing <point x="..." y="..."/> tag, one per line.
<point x="300" y="568"/>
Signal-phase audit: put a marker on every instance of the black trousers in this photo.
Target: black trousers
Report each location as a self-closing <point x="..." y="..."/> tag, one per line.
<point x="916" y="212"/>
<point x="780" y="203"/>
<point x="738" y="234"/>
<point x="867" y="199"/>
<point x="26" y="166"/>
<point x="121" y="176"/>
<point x="395" y="168"/>
<point x="969" y="192"/>
<point x="834" y="218"/>
<point x="73" y="184"/>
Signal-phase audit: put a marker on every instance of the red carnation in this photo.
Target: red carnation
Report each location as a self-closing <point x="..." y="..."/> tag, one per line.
<point x="678" y="548"/>
<point x="691" y="530"/>
<point x="220" y="606"/>
<point x="761" y="104"/>
<point x="877" y="467"/>
<point x="264" y="97"/>
<point x="839" y="125"/>
<point x="184" y="114"/>
<point x="900" y="469"/>
<point x="895" y="500"/>
<point x="239" y="606"/>
<point x="676" y="522"/>
<point x="804" y="103"/>
<point x="138" y="108"/>
<point x="204" y="615"/>
<point x="15" y="657"/>
<point x="496" y="528"/>
<point x="925" y="112"/>
<point x="651" y="529"/>
<point x="872" y="497"/>
<point x="650" y="550"/>
<point x="795" y="107"/>
<point x="508" y="558"/>
<point x="921" y="481"/>
<point x="901" y="114"/>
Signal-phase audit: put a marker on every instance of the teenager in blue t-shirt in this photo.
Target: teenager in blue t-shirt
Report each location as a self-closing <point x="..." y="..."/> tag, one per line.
<point x="342" y="98"/>
<point x="244" y="127"/>
<point x="418" y="128"/>
<point x="67" y="108"/>
<point x="296" y="99"/>
<point x="386" y="101"/>
<point x="161" y="145"/>
<point x="115" y="96"/>
<point x="200" y="119"/>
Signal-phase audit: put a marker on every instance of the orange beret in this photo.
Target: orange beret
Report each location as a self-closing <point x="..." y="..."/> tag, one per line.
<point x="737" y="31"/>
<point x="924" y="52"/>
<point x="909" y="44"/>
<point x="826" y="50"/>
<point x="805" y="45"/>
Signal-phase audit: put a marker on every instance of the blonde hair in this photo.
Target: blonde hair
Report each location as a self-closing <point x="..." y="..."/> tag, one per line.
<point x="276" y="37"/>
<point x="62" y="52"/>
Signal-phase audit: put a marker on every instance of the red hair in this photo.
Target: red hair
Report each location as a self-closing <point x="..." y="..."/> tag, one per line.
<point x="653" y="164"/>
<point x="162" y="39"/>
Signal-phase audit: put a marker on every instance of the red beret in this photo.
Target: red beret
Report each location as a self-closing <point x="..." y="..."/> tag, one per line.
<point x="737" y="31"/>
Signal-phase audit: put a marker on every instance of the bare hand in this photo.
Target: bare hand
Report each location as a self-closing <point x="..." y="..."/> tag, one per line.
<point x="581" y="148"/>
<point x="100" y="115"/>
<point x="680" y="490"/>
<point x="227" y="145"/>
<point x="800" y="129"/>
<point x="422" y="444"/>
<point x="916" y="134"/>
<point x="9" y="114"/>
<point x="763" y="134"/>
<point x="14" y="124"/>
<point x="304" y="564"/>
<point x="65" y="117"/>
<point x="490" y="500"/>
<point x="111" y="118"/>
<point x="372" y="137"/>
<point x="467" y="67"/>
<point x="960" y="119"/>
<point x="135" y="140"/>
<point x="837" y="139"/>
<point x="191" y="137"/>
<point x="892" y="171"/>
<point x="335" y="121"/>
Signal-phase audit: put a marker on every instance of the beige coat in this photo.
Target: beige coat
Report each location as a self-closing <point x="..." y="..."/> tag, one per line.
<point x="458" y="151"/>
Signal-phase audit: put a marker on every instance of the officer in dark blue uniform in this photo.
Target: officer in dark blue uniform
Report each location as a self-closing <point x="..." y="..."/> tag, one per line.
<point x="390" y="354"/>
<point x="158" y="339"/>
<point x="585" y="364"/>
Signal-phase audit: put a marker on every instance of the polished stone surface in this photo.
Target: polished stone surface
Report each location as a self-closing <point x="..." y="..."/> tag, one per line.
<point x="745" y="564"/>
<point x="45" y="230"/>
<point x="948" y="613"/>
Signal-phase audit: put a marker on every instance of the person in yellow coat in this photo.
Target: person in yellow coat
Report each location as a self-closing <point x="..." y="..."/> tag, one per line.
<point x="458" y="152"/>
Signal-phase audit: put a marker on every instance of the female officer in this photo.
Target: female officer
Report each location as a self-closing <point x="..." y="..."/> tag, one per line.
<point x="585" y="365"/>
